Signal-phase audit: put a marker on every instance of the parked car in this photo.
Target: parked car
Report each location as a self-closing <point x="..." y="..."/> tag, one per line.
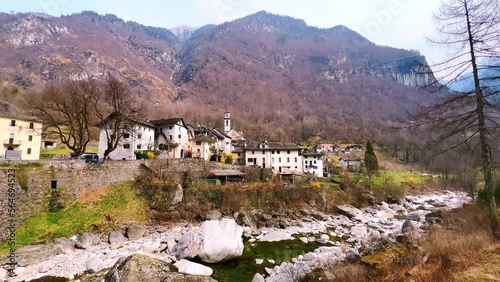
<point x="90" y="158"/>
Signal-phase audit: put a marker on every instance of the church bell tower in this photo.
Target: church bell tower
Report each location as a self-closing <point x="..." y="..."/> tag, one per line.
<point x="227" y="122"/>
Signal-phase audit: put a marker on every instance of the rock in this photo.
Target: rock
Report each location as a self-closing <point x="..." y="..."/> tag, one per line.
<point x="325" y="237"/>
<point x="94" y="264"/>
<point x="3" y="274"/>
<point x="136" y="231"/>
<point x="44" y="268"/>
<point x="19" y="270"/>
<point x="259" y="261"/>
<point x="221" y="240"/>
<point x="86" y="240"/>
<point x="192" y="268"/>
<point x="64" y="245"/>
<point x="188" y="245"/>
<point x="116" y="237"/>
<point x="304" y="240"/>
<point x="178" y="195"/>
<point x="318" y="274"/>
<point x="408" y="227"/>
<point x="309" y="256"/>
<point x="319" y="215"/>
<point x="214" y="215"/>
<point x="359" y="231"/>
<point x="137" y="268"/>
<point x="275" y="236"/>
<point x="349" y="211"/>
<point x="151" y="246"/>
<point x="258" y="278"/>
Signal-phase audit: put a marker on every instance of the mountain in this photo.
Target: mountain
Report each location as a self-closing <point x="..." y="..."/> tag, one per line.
<point x="489" y="75"/>
<point x="183" y="33"/>
<point x="38" y="49"/>
<point x="278" y="76"/>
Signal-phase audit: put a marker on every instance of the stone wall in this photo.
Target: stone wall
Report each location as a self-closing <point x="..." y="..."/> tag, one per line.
<point x="33" y="184"/>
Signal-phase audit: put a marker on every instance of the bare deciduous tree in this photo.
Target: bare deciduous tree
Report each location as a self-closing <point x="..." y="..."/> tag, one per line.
<point x="471" y="28"/>
<point x="69" y="109"/>
<point x="116" y="112"/>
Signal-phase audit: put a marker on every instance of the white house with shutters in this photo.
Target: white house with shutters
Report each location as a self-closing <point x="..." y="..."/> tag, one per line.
<point x="282" y="158"/>
<point x="137" y="134"/>
<point x="172" y="131"/>
<point x="313" y="163"/>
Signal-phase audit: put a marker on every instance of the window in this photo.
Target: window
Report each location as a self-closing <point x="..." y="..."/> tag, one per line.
<point x="179" y="136"/>
<point x="239" y="154"/>
<point x="126" y="146"/>
<point x="198" y="143"/>
<point x="170" y="137"/>
<point x="295" y="159"/>
<point x="126" y="135"/>
<point x="278" y="152"/>
<point x="272" y="160"/>
<point x="30" y="137"/>
<point x="170" y="127"/>
<point x="295" y="167"/>
<point x="253" y="152"/>
<point x="250" y="160"/>
<point x="272" y="152"/>
<point x="139" y="146"/>
<point x="287" y="159"/>
<point x="306" y="162"/>
<point x="139" y="136"/>
<point x="29" y="151"/>
<point x="32" y="125"/>
<point x="314" y="162"/>
<point x="198" y="150"/>
<point x="279" y="160"/>
<point x="288" y="152"/>
<point x="12" y="123"/>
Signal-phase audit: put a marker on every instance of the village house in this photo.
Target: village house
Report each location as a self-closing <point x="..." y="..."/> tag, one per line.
<point x="282" y="158"/>
<point x="326" y="147"/>
<point x="313" y="163"/>
<point x="350" y="163"/>
<point x="172" y="136"/>
<point x="137" y="134"/>
<point x="20" y="134"/>
<point x="202" y="147"/>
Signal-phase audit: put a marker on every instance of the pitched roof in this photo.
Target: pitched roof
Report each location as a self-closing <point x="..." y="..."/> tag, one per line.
<point x="220" y="133"/>
<point x="272" y="146"/>
<point x="351" y="159"/>
<point x="10" y="111"/>
<point x="203" y="138"/>
<point x="133" y="119"/>
<point x="167" y="121"/>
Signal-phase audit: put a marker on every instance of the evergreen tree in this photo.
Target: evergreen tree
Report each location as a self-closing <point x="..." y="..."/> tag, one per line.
<point x="371" y="163"/>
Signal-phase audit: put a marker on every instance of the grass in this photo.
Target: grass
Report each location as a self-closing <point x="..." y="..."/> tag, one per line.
<point x="63" y="151"/>
<point x="395" y="177"/>
<point x="118" y="203"/>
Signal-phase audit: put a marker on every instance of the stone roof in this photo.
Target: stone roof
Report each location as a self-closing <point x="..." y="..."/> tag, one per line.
<point x="133" y="119"/>
<point x="351" y="159"/>
<point x="166" y="121"/>
<point x="203" y="138"/>
<point x="272" y="146"/>
<point x="8" y="110"/>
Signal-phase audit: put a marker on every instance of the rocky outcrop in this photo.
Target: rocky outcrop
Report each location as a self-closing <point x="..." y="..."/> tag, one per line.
<point x="138" y="268"/>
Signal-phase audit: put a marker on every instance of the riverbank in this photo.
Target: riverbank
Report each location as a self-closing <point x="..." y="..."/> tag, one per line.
<point x="335" y="236"/>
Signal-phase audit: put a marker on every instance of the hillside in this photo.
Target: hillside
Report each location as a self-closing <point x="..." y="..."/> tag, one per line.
<point x="278" y="76"/>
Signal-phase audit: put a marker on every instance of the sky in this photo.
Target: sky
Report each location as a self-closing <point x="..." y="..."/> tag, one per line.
<point x="396" y="23"/>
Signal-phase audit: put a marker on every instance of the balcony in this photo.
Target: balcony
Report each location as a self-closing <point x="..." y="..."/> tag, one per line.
<point x="12" y="142"/>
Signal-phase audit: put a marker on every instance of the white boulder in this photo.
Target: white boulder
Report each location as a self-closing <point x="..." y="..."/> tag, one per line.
<point x="192" y="268"/>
